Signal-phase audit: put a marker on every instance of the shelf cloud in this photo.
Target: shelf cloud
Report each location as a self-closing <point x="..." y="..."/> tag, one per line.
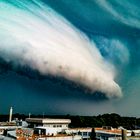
<point x="35" y="36"/>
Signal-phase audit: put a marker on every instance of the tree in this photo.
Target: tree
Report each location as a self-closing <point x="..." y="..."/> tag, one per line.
<point x="132" y="134"/>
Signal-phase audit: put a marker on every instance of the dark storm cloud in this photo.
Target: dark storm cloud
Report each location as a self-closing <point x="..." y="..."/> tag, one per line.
<point x="51" y="85"/>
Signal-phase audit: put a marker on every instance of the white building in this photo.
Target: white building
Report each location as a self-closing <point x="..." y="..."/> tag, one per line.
<point x="62" y="138"/>
<point x="84" y="132"/>
<point x="47" y="122"/>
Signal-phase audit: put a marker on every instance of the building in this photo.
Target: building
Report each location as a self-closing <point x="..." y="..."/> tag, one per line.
<point x="53" y="127"/>
<point x="84" y="132"/>
<point x="61" y="138"/>
<point x="47" y="122"/>
<point x="100" y="133"/>
<point x="50" y="129"/>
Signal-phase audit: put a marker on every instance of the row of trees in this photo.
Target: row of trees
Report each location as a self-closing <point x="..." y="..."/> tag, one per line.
<point x="113" y="120"/>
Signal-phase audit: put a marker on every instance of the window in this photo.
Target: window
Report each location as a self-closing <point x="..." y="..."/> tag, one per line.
<point x="39" y="131"/>
<point x="84" y="133"/>
<point x="59" y="125"/>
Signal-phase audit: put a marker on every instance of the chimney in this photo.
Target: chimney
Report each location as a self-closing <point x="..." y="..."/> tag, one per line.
<point x="10" y="115"/>
<point x="124" y="134"/>
<point x="29" y="115"/>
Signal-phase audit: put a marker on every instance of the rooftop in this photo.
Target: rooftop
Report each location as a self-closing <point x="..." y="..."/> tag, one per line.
<point x="48" y="120"/>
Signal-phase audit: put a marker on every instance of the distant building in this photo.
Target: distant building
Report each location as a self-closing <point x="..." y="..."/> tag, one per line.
<point x="101" y="133"/>
<point x="84" y="132"/>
